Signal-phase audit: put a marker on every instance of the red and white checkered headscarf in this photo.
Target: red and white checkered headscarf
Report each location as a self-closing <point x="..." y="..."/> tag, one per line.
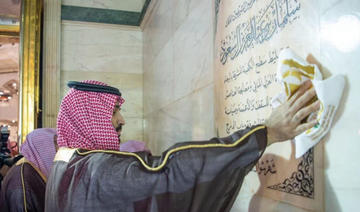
<point x="84" y="120"/>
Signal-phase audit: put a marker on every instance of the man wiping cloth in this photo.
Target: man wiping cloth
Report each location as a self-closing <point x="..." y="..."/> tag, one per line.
<point x="91" y="174"/>
<point x="292" y="71"/>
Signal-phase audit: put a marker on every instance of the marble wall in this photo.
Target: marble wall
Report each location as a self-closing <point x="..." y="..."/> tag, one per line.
<point x="178" y="73"/>
<point x="340" y="52"/>
<point x="166" y="76"/>
<point x="178" y="90"/>
<point x="108" y="53"/>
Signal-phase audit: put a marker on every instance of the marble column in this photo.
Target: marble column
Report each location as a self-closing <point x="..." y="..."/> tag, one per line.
<point x="51" y="62"/>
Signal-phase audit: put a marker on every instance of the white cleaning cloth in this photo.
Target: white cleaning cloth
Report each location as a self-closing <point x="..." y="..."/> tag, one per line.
<point x="292" y="72"/>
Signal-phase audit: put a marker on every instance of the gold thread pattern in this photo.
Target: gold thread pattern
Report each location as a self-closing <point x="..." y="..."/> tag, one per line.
<point x="23" y="185"/>
<point x="23" y="160"/>
<point x="191" y="146"/>
<point x="296" y="70"/>
<point x="293" y="64"/>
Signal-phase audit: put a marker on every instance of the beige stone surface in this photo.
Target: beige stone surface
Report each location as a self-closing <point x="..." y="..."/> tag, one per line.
<point x="178" y="73"/>
<point x="111" y="54"/>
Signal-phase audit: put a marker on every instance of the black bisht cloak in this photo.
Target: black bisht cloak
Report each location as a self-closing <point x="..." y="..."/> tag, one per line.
<point x="190" y="176"/>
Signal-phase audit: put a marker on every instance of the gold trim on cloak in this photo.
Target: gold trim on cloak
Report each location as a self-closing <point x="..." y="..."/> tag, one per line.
<point x="64" y="154"/>
<point x="21" y="163"/>
<point x="24" y="160"/>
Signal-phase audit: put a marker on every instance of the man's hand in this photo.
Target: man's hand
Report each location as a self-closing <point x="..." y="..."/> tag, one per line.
<point x="284" y="122"/>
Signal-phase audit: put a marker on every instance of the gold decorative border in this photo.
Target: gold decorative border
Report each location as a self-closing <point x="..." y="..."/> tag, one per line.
<point x="23" y="185"/>
<point x="9" y="30"/>
<point x="30" y="40"/>
<point x="24" y="160"/>
<point x="191" y="146"/>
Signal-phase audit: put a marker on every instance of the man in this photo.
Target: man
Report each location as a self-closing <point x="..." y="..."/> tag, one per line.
<point x="24" y="185"/>
<point x="90" y="175"/>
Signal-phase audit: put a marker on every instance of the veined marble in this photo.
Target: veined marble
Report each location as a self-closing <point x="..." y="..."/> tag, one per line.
<point x="101" y="47"/>
<point x="111" y="54"/>
<point x="178" y="73"/>
<point x="174" y="52"/>
<point x="187" y="119"/>
<point x="159" y="80"/>
<point x="177" y="31"/>
<point x="193" y="63"/>
<point x="133" y="129"/>
<point x="340" y="52"/>
<point x="184" y="61"/>
<point x="158" y="30"/>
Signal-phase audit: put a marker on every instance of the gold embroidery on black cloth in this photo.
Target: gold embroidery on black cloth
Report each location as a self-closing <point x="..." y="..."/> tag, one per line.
<point x="191" y="146"/>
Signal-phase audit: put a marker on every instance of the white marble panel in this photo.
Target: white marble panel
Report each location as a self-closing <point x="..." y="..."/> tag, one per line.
<point x="133" y="130"/>
<point x="127" y="5"/>
<point x="152" y="133"/>
<point x="158" y="30"/>
<point x="183" y="8"/>
<point x="148" y="53"/>
<point x="178" y="89"/>
<point x="169" y="79"/>
<point x="188" y="119"/>
<point x="101" y="47"/>
<point x="247" y="201"/>
<point x="159" y="80"/>
<point x="340" y="52"/>
<point x="193" y="51"/>
<point x="172" y="99"/>
<point x="133" y="106"/>
<point x="261" y="204"/>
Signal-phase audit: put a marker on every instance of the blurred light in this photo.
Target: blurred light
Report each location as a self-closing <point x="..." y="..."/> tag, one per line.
<point x="13" y="121"/>
<point x="9" y="97"/>
<point x="14" y="84"/>
<point x="1" y="93"/>
<point x="344" y="34"/>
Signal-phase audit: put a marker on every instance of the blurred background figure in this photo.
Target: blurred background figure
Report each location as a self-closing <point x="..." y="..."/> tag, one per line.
<point x="23" y="188"/>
